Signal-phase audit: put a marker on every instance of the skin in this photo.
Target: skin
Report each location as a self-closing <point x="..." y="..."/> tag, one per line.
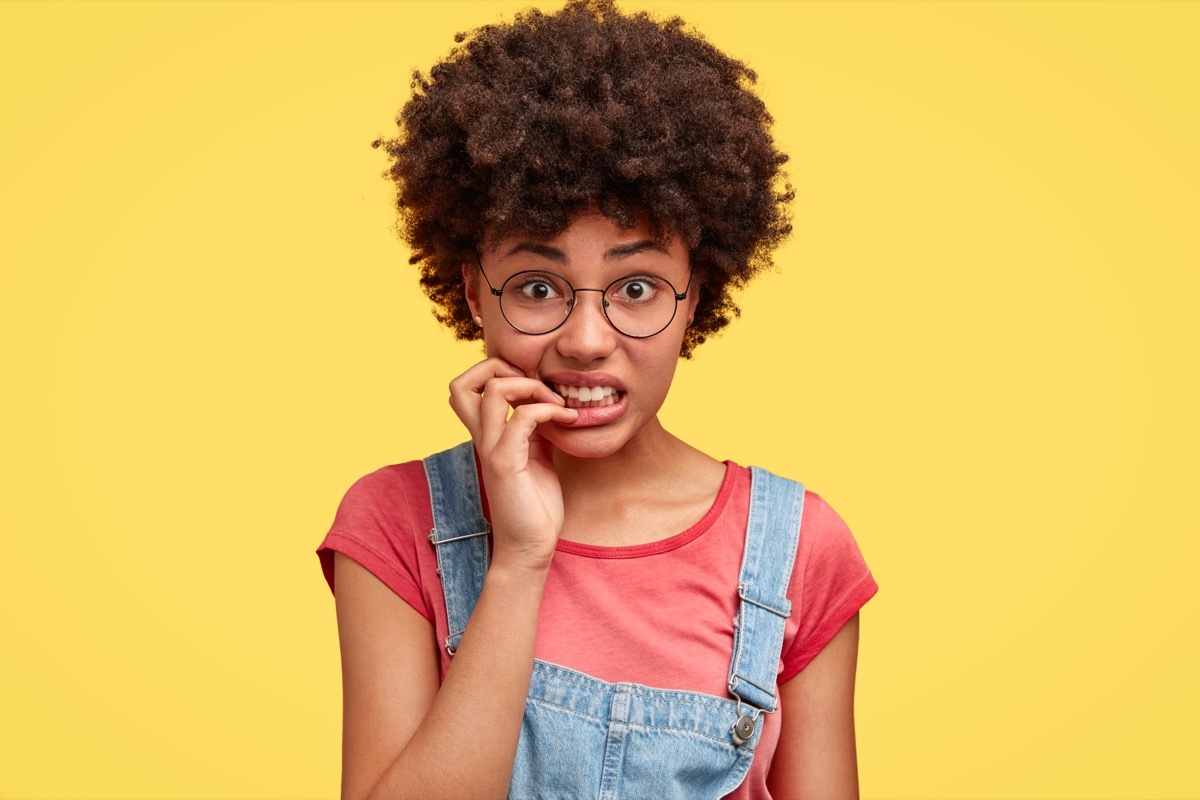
<point x="548" y="471"/>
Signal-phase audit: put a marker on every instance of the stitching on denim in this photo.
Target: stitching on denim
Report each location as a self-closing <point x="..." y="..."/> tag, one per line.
<point x="725" y="740"/>
<point x="721" y="739"/>
<point x="776" y="512"/>
<point x="541" y="701"/>
<point x="779" y="612"/>
<point x="698" y="699"/>
<point x="648" y="693"/>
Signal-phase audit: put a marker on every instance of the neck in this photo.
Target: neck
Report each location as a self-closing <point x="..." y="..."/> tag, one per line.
<point x="654" y="487"/>
<point x="652" y="458"/>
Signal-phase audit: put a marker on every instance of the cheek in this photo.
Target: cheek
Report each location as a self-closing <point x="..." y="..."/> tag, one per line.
<point x="656" y="366"/>
<point x="523" y="352"/>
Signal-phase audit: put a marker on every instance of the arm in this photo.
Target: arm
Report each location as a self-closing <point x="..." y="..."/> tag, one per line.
<point x="816" y="755"/>
<point x="403" y="735"/>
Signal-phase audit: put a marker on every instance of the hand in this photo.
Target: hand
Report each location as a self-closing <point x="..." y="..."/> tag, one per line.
<point x="524" y="496"/>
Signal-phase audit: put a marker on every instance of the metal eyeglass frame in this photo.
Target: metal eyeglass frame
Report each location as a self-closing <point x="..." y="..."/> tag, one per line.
<point x="571" y="303"/>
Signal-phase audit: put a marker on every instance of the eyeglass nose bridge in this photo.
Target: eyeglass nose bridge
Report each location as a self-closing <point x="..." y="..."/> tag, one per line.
<point x="603" y="299"/>
<point x="603" y="305"/>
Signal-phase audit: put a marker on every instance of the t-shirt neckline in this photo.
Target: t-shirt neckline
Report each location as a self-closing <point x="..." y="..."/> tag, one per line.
<point x="661" y="545"/>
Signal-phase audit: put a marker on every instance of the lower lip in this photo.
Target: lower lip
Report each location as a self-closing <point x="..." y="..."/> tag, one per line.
<point x="599" y="415"/>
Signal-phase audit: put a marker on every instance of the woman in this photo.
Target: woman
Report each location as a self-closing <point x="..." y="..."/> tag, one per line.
<point x="549" y="610"/>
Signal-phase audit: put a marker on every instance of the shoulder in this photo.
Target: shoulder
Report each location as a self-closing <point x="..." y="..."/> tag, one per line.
<point x="825" y="538"/>
<point x="381" y="523"/>
<point x="830" y="583"/>
<point x="823" y="532"/>
<point x="388" y="493"/>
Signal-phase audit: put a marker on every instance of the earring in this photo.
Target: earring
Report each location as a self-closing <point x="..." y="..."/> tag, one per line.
<point x="479" y="321"/>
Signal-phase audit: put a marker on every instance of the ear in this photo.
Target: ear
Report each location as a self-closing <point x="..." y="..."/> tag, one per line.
<point x="693" y="298"/>
<point x="470" y="274"/>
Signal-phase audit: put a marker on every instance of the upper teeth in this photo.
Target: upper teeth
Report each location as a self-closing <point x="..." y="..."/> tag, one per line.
<point x="584" y="393"/>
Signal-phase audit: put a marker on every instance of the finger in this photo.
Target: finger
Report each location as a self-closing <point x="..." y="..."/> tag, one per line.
<point x="466" y="407"/>
<point x="467" y="389"/>
<point x="505" y="393"/>
<point x="477" y="376"/>
<point x="512" y="447"/>
<point x="475" y="379"/>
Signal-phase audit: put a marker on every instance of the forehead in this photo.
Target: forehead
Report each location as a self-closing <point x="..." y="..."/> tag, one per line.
<point x="590" y="238"/>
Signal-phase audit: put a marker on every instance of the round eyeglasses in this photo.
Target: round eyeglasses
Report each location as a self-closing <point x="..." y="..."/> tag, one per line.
<point x="538" y="302"/>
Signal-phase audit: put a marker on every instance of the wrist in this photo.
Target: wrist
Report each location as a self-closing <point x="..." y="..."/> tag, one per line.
<point x="524" y="566"/>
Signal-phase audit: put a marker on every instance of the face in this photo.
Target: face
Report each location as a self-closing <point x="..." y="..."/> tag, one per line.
<point x="628" y="377"/>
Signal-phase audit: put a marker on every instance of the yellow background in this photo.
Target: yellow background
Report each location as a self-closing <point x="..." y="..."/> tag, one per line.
<point x="980" y="345"/>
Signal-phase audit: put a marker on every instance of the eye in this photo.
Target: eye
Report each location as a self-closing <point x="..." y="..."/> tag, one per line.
<point x="636" y="289"/>
<point x="537" y="288"/>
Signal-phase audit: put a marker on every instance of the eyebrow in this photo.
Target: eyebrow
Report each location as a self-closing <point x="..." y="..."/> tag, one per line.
<point x="615" y="254"/>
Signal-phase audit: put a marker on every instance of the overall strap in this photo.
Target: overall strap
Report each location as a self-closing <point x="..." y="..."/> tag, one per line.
<point x="459" y="534"/>
<point x="772" y="535"/>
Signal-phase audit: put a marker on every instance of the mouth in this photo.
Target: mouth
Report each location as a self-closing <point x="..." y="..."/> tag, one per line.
<point x="586" y="396"/>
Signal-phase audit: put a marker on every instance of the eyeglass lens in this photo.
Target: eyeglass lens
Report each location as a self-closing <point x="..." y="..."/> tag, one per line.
<point x="636" y="305"/>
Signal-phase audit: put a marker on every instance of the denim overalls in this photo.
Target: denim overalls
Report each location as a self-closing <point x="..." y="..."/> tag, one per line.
<point x="583" y="737"/>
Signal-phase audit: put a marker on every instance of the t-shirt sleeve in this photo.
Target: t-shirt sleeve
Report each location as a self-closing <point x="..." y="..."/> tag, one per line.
<point x="378" y="524"/>
<point x="830" y="583"/>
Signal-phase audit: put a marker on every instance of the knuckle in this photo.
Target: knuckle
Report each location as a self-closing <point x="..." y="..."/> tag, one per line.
<point x="523" y="412"/>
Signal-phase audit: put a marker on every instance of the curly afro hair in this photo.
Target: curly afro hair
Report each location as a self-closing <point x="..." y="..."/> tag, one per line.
<point x="525" y="125"/>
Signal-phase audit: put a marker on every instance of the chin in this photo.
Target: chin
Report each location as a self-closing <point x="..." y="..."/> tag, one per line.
<point x="585" y="442"/>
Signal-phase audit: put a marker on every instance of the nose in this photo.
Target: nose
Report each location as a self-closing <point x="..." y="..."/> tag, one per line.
<point x="587" y="334"/>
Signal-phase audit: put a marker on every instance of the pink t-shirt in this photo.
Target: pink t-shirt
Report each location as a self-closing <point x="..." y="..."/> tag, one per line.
<point x="659" y="614"/>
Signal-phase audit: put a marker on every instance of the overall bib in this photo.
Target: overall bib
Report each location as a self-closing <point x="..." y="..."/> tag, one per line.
<point x="582" y="737"/>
